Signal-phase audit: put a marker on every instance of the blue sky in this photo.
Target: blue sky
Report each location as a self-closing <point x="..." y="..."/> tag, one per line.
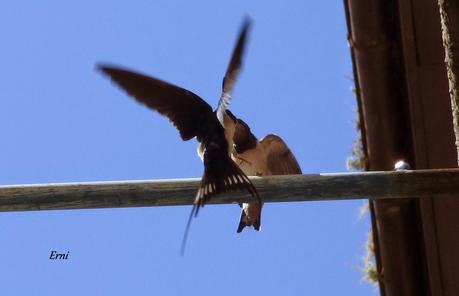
<point x="61" y="121"/>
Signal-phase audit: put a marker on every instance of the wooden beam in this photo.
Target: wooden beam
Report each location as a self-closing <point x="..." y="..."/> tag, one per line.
<point x="310" y="187"/>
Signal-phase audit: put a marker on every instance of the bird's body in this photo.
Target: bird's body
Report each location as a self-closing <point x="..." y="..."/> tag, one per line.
<point x="193" y="117"/>
<point x="253" y="162"/>
<point x="270" y="156"/>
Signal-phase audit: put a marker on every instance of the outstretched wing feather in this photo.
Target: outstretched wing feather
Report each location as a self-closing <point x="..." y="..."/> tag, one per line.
<point x="185" y="110"/>
<point x="233" y="70"/>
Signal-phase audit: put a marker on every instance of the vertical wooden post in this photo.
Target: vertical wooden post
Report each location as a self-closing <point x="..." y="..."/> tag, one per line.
<point x="449" y="14"/>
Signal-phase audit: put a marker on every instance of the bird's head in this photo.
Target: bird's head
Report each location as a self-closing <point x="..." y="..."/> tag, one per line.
<point x="243" y="138"/>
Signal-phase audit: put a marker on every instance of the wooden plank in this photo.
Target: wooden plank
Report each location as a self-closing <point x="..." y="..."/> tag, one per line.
<point x="310" y="187"/>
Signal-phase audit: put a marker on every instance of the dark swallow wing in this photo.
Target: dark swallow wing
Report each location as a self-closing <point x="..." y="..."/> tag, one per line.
<point x="187" y="111"/>
<point x="280" y="159"/>
<point x="233" y="70"/>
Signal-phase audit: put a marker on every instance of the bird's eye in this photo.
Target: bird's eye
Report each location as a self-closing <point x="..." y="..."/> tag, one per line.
<point x="236" y="148"/>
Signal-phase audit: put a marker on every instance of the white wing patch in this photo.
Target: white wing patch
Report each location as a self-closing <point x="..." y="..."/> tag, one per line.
<point x="222" y="106"/>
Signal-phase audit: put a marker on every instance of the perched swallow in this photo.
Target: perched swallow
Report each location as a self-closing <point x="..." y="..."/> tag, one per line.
<point x="270" y="156"/>
<point x="193" y="117"/>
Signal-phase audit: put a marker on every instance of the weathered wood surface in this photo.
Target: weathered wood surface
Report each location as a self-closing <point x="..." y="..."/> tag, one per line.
<point x="310" y="187"/>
